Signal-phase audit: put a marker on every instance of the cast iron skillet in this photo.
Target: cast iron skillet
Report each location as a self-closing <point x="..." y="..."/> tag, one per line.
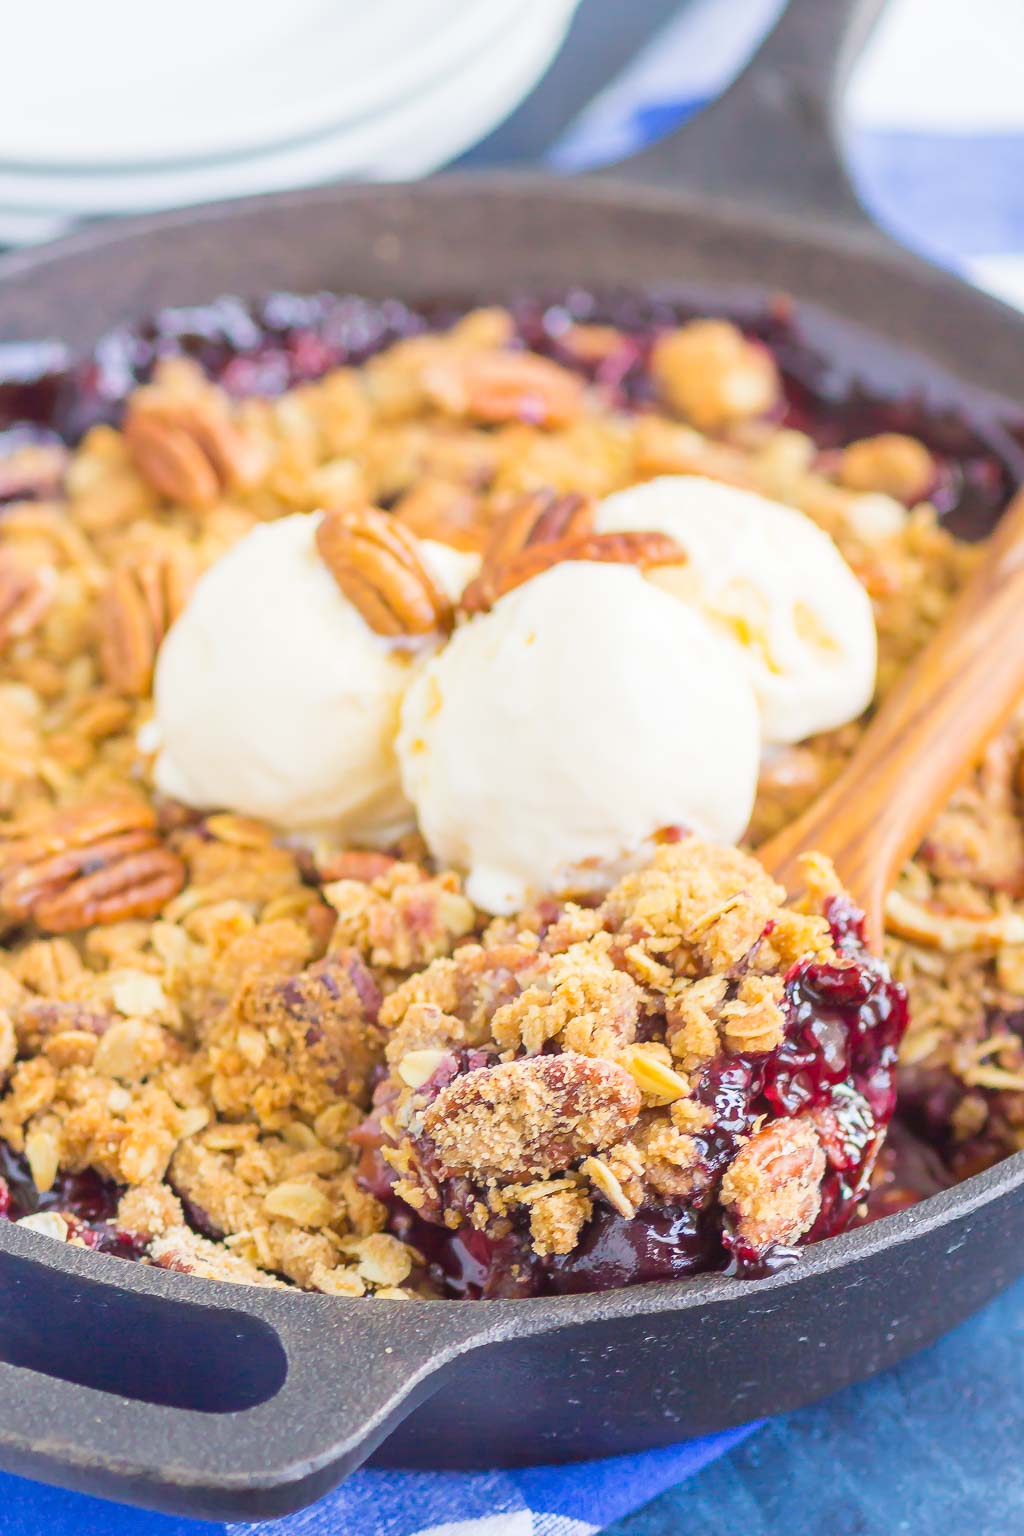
<point x="193" y="1397"/>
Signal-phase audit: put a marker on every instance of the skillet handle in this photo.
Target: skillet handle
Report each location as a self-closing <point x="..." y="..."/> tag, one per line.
<point x="199" y="1398"/>
<point x="772" y="140"/>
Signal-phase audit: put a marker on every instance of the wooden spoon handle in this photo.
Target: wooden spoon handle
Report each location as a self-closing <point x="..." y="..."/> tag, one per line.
<point x="928" y="733"/>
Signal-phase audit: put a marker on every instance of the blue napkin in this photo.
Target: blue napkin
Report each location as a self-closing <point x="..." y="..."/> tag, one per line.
<point x="544" y="1501"/>
<point x="936" y="144"/>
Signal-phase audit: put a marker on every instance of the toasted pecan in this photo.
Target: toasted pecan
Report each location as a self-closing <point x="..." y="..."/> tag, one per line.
<point x="378" y="566"/>
<point x="187" y="447"/>
<point x="103" y="862"/>
<point x="640" y="549"/>
<point x="499" y="386"/>
<point x="538" y="517"/>
<point x="25" y="596"/>
<point x="137" y="609"/>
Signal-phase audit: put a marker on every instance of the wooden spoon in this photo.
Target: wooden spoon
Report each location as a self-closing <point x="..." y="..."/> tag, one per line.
<point x="927" y="735"/>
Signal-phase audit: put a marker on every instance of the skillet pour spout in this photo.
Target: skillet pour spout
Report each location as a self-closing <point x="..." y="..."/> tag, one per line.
<point x="186" y="1395"/>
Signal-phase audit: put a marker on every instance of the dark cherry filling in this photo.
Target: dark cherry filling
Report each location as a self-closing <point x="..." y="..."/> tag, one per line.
<point x="838" y="1058"/>
<point x="87" y="1201"/>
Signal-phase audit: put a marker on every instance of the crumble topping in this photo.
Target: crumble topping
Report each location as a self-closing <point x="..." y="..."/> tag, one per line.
<point x="270" y="1053"/>
<point x="593" y="1087"/>
<point x="401" y="919"/>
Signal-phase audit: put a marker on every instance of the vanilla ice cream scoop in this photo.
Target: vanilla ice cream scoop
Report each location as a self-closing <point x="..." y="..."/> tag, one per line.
<point x="773" y="582"/>
<point x="553" y="737"/>
<point x="275" y="699"/>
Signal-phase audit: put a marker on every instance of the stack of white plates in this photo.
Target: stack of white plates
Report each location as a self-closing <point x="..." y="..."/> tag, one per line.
<point x="123" y="106"/>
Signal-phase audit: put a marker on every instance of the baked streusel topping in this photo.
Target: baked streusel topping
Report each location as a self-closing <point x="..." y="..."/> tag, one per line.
<point x="232" y="1055"/>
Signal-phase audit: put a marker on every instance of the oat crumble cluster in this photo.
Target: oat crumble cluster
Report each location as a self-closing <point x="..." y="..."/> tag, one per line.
<point x="224" y="1057"/>
<point x="649" y="1055"/>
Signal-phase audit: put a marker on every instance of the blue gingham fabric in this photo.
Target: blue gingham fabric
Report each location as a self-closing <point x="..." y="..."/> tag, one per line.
<point x="936" y="145"/>
<point x="934" y="119"/>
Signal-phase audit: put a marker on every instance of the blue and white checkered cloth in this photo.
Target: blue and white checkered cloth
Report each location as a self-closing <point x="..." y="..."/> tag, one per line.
<point x="936" y="144"/>
<point x="934" y="118"/>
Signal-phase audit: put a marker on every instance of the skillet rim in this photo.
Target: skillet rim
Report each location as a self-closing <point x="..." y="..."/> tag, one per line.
<point x="604" y="189"/>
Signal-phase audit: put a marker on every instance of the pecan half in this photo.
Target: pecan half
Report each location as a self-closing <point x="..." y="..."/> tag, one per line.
<point x="504" y="386"/>
<point x="186" y="446"/>
<point x="25" y="596"/>
<point x="526" y="1118"/>
<point x="98" y="863"/>
<point x="378" y="566"/>
<point x="640" y="549"/>
<point x="773" y="1184"/>
<point x="137" y="609"/>
<point x="539" y="517"/>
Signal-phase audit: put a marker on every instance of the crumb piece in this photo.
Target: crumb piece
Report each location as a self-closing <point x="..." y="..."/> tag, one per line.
<point x="186" y="1252"/>
<point x="529" y="1118"/>
<point x="897" y="465"/>
<point x="233" y="956"/>
<point x="692" y="1011"/>
<point x="127" y="1134"/>
<point x="149" y="1210"/>
<point x="471" y="986"/>
<point x="46" y="966"/>
<point x="40" y="1019"/>
<point x="380" y="1259"/>
<point x="772" y="1186"/>
<point x="280" y="1201"/>
<point x="556" y="1220"/>
<point x="290" y="1046"/>
<point x="573" y="925"/>
<point x="221" y="870"/>
<point x="401" y="920"/>
<point x="709" y="372"/>
<point x="673" y="1159"/>
<point x="754" y="1020"/>
<point x="979" y="841"/>
<point x="796" y="936"/>
<point x="424" y="1030"/>
<point x="584" y="1001"/>
<point x="703" y="906"/>
<point x="340" y="1281"/>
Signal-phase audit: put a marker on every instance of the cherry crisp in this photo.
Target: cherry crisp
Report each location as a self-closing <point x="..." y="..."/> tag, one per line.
<point x="225" y="1054"/>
